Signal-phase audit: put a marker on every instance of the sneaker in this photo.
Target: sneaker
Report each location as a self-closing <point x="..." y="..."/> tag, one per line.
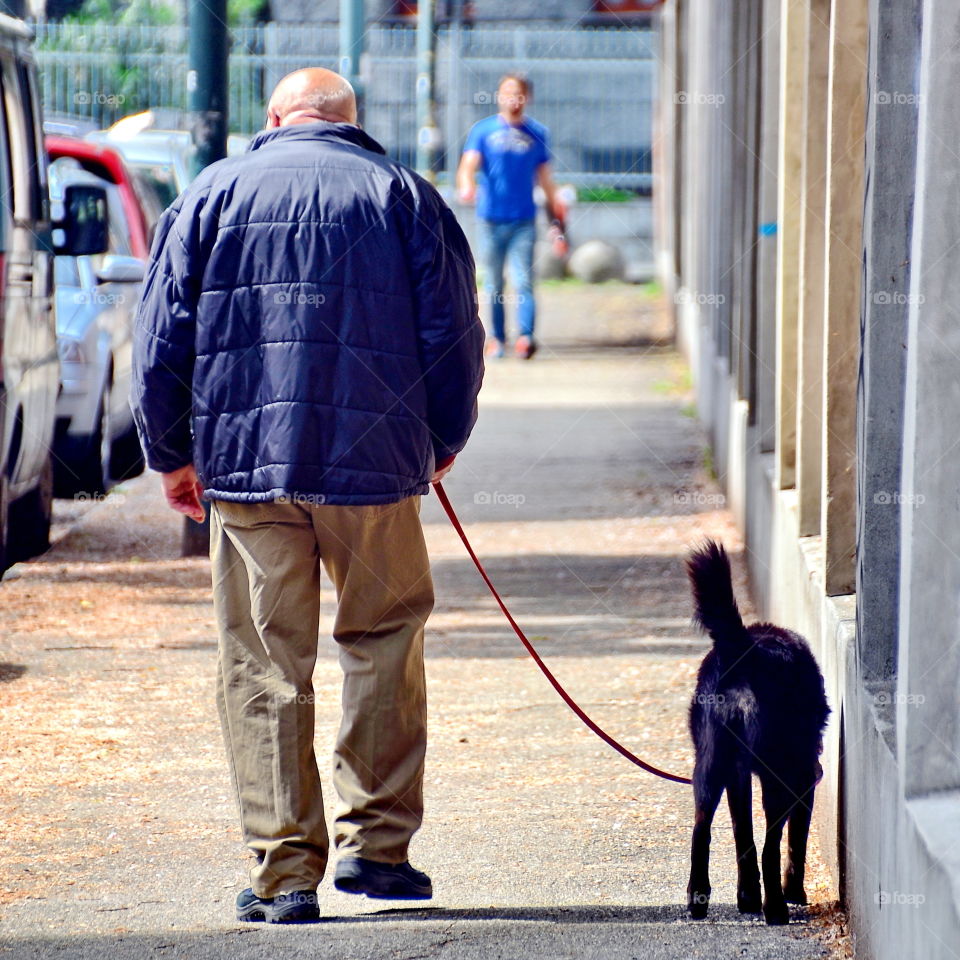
<point x="525" y="347"/>
<point x="494" y="349"/>
<point x="300" y="906"/>
<point x="384" y="881"/>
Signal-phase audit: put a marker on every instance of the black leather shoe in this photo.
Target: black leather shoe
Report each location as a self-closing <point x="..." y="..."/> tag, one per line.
<point x="300" y="906"/>
<point x="384" y="881"/>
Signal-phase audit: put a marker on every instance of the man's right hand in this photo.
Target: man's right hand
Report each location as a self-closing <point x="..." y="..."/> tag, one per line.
<point x="182" y="489"/>
<point x="558" y="240"/>
<point x="442" y="469"/>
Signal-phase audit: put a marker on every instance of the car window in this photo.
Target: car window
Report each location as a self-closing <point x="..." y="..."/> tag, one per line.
<point x="119" y="228"/>
<point x="162" y="178"/>
<point x="18" y="145"/>
<point x="27" y="81"/>
<point x="150" y="201"/>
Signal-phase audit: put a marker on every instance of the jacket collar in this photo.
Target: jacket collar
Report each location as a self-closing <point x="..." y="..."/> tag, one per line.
<point x="320" y="130"/>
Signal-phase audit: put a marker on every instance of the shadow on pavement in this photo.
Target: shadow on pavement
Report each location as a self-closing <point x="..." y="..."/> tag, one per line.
<point x="647" y="344"/>
<point x="11" y="671"/>
<point x="581" y="913"/>
<point x="567" y="604"/>
<point x="581" y="930"/>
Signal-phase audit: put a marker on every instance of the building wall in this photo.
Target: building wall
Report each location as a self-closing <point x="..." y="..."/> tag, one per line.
<point x="806" y="186"/>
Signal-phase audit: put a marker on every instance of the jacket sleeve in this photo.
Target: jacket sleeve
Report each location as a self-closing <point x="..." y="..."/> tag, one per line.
<point x="164" y="341"/>
<point x="449" y="329"/>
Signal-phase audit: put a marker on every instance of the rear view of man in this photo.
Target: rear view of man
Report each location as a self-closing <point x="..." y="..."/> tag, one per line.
<point x="308" y="357"/>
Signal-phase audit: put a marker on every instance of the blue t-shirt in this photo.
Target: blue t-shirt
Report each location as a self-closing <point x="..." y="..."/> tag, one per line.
<point x="510" y="158"/>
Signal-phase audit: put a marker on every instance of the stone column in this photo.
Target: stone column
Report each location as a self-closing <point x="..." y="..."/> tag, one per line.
<point x="891" y="155"/>
<point x="718" y="84"/>
<point x="792" y="56"/>
<point x="666" y="147"/>
<point x="767" y="241"/>
<point x="844" y="222"/>
<point x="928" y="705"/>
<point x="745" y="287"/>
<point x="702" y="101"/>
<point x="810" y="313"/>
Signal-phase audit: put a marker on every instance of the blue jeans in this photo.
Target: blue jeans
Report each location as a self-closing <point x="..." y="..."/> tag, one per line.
<point x="510" y="243"/>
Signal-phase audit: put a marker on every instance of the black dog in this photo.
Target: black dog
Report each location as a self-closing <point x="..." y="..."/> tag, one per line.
<point x="759" y="708"/>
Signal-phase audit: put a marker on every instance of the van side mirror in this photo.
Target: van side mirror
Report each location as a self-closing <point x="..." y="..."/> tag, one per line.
<point x="117" y="269"/>
<point x="85" y="227"/>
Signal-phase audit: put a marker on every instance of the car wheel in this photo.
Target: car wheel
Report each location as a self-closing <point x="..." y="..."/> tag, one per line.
<point x="29" y="518"/>
<point x="92" y="471"/>
<point x="126" y="456"/>
<point x="4" y="522"/>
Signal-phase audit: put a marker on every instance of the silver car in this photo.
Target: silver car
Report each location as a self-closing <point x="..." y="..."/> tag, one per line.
<point x="163" y="157"/>
<point x="95" y="441"/>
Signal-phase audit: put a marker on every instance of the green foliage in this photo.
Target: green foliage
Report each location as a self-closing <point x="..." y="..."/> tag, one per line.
<point x="159" y="13"/>
<point x="241" y="13"/>
<point x="155" y="13"/>
<point x="92" y="11"/>
<point x="123" y="78"/>
<point x="604" y="195"/>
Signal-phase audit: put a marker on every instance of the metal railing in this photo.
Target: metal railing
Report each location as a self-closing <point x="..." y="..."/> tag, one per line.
<point x="593" y="88"/>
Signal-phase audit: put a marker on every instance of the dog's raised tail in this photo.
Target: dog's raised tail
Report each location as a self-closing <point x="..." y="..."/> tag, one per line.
<point x="715" y="606"/>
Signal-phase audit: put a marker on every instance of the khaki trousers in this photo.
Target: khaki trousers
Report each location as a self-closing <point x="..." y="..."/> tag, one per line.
<point x="266" y="560"/>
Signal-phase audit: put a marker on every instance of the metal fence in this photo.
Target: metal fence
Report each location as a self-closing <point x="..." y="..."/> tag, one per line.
<point x="593" y="88"/>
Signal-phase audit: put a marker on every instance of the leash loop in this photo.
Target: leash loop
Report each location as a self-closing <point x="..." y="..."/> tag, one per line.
<point x="554" y="682"/>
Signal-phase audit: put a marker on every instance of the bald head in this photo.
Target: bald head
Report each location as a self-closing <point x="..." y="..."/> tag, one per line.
<point x="305" y="96"/>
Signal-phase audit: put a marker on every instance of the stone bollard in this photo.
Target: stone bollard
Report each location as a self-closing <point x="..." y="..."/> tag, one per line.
<point x="596" y="261"/>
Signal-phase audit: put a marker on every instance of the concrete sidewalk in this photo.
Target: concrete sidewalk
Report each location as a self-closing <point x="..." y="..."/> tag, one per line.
<point x="582" y="489"/>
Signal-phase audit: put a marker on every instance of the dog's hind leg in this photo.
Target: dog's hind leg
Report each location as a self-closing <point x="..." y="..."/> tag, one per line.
<point x="797" y="829"/>
<point x="739" y="797"/>
<point x="777" y="802"/>
<point x="707" y="789"/>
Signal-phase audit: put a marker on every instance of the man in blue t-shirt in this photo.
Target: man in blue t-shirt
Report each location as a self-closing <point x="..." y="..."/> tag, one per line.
<point x="510" y="153"/>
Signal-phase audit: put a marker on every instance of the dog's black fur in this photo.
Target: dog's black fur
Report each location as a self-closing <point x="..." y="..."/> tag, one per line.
<point x="760" y="708"/>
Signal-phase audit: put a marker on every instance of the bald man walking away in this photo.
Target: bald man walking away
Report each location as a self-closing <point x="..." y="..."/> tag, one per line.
<point x="308" y="357"/>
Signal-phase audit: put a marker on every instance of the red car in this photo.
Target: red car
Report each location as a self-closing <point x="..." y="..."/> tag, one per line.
<point x="105" y="162"/>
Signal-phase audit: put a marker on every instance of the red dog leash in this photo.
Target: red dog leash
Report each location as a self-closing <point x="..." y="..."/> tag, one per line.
<point x="554" y="682"/>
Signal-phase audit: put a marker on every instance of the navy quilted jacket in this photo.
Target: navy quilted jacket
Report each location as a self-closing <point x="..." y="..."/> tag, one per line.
<point x="308" y="325"/>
